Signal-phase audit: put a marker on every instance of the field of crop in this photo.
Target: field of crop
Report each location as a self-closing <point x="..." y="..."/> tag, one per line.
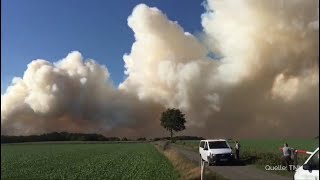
<point x="84" y="161"/>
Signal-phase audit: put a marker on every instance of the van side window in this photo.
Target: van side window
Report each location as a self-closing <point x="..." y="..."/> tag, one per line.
<point x="202" y="144"/>
<point x="314" y="161"/>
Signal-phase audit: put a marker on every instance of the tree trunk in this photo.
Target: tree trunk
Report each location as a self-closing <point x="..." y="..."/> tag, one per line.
<point x="171" y="135"/>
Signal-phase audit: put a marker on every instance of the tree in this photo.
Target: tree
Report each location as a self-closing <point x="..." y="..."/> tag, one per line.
<point x="141" y="139"/>
<point x="173" y="120"/>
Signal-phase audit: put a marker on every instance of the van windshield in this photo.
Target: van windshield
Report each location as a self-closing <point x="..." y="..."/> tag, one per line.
<point x="218" y="145"/>
<point x="314" y="161"/>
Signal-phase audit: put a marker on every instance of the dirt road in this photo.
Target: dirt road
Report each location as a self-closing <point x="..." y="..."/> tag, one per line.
<point x="235" y="172"/>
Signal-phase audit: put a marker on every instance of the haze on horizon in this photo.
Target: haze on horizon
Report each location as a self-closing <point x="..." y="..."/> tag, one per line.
<point x="265" y="82"/>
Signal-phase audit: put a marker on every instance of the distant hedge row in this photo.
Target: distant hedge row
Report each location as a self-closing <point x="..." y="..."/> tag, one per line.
<point x="65" y="136"/>
<point x="57" y="136"/>
<point x="179" y="138"/>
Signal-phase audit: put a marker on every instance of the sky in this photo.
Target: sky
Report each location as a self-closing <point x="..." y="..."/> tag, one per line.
<point x="98" y="29"/>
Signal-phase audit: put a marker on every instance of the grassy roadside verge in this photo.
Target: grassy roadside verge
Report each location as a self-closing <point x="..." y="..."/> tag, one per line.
<point x="186" y="168"/>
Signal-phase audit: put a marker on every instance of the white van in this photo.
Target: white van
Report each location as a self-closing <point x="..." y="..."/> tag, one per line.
<point x="310" y="169"/>
<point x="215" y="150"/>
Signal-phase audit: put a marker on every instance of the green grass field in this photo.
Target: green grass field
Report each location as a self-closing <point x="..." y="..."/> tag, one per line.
<point x="84" y="161"/>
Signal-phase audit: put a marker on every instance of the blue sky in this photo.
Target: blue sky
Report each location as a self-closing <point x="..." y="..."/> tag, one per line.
<point x="50" y="29"/>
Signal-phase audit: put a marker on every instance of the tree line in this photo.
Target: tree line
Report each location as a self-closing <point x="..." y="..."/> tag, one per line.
<point x="172" y="120"/>
<point x="178" y="138"/>
<point x="65" y="136"/>
<point x="57" y="136"/>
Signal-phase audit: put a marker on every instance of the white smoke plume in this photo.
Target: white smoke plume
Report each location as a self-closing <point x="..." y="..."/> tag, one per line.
<point x="265" y="83"/>
<point x="71" y="95"/>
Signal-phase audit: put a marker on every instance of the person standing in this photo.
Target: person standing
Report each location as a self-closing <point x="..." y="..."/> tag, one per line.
<point x="287" y="155"/>
<point x="237" y="150"/>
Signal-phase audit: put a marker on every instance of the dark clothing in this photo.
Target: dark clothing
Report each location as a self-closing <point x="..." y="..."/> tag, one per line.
<point x="237" y="153"/>
<point x="289" y="162"/>
<point x="237" y="150"/>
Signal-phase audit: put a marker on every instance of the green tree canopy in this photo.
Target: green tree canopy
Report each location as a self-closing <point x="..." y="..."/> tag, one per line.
<point x="173" y="120"/>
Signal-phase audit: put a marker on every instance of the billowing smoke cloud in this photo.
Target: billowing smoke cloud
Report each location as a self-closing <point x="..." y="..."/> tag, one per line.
<point x="264" y="83"/>
<point x="270" y="51"/>
<point x="71" y="95"/>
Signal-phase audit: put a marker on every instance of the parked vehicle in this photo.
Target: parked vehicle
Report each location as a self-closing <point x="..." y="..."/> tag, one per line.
<point x="215" y="151"/>
<point x="310" y="169"/>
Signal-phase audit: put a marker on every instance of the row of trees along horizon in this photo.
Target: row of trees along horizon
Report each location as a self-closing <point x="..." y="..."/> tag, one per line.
<point x="65" y="136"/>
<point x="172" y="120"/>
